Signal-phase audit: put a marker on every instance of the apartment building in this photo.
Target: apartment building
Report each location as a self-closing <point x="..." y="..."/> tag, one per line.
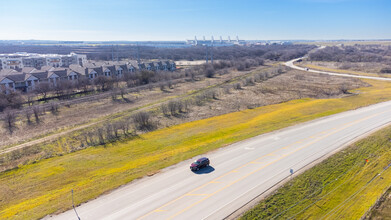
<point x="20" y="60"/>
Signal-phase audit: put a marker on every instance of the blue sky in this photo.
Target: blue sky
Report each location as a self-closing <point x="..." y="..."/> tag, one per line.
<point x="183" y="19"/>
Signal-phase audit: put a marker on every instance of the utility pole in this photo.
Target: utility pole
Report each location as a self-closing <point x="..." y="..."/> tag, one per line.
<point x="117" y="53"/>
<point x="112" y="52"/>
<point x="73" y="204"/>
<point x="211" y="53"/>
<point x="138" y="54"/>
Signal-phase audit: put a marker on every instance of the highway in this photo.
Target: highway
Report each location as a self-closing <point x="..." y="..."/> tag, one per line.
<point x="238" y="173"/>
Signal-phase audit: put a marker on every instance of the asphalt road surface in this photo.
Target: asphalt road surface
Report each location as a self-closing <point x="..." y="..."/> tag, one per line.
<point x="290" y="64"/>
<point x="237" y="174"/>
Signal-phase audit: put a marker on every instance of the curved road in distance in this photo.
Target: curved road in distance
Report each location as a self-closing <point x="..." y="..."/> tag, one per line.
<point x="238" y="173"/>
<point x="291" y="65"/>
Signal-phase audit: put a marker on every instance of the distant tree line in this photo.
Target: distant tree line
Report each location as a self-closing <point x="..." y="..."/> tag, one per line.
<point x="358" y="53"/>
<point x="270" y="52"/>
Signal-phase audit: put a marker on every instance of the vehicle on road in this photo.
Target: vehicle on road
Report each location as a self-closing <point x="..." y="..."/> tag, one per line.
<point x="200" y="163"/>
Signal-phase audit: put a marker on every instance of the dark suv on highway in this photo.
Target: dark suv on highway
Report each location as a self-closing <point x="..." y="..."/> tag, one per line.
<point x="200" y="163"/>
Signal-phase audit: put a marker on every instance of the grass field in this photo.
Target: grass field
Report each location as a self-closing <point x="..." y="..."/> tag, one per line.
<point x="344" y="186"/>
<point x="35" y="190"/>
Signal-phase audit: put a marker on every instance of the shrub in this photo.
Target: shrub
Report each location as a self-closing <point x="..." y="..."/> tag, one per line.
<point x="237" y="86"/>
<point x="143" y="121"/>
<point x="386" y="70"/>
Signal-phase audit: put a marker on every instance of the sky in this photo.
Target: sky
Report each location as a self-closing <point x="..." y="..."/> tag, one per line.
<point x="152" y="20"/>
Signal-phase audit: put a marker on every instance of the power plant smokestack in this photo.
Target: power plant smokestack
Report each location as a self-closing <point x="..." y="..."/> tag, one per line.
<point x="206" y="47"/>
<point x="195" y="40"/>
<point x="237" y="38"/>
<point x="213" y="40"/>
<point x="221" y="40"/>
<point x="203" y="38"/>
<point x="229" y="39"/>
<point x="211" y="54"/>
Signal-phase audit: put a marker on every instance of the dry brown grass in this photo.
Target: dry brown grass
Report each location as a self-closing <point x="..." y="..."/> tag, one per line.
<point x="363" y="67"/>
<point x="382" y="209"/>
<point x="89" y="112"/>
<point x="289" y="86"/>
<point x="221" y="98"/>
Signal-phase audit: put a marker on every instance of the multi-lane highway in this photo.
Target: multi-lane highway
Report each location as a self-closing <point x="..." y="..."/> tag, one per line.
<point x="238" y="173"/>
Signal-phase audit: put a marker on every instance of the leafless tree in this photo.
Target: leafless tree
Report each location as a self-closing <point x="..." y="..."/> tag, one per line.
<point x="165" y="109"/>
<point x="83" y="83"/>
<point x="143" y="121"/>
<point x="109" y="131"/>
<point x="104" y="83"/>
<point x="344" y="88"/>
<point x="37" y="113"/>
<point x="30" y="98"/>
<point x="54" y="108"/>
<point x="122" y="91"/>
<point x="28" y="114"/>
<point x="10" y="120"/>
<point x="43" y="88"/>
<point x="114" y="94"/>
<point x="101" y="138"/>
<point x="173" y="107"/>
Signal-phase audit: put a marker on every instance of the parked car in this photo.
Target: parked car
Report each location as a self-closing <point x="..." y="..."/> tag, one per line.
<point x="200" y="163"/>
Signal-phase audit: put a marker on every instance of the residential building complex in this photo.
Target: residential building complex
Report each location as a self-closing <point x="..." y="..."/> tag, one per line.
<point x="26" y="79"/>
<point x="18" y="61"/>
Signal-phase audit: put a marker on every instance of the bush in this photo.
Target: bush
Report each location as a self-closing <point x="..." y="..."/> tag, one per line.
<point x="237" y="86"/>
<point x="209" y="72"/>
<point x="386" y="70"/>
<point x="143" y="121"/>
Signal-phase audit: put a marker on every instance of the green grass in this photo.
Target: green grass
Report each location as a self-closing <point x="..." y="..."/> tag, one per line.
<point x="38" y="189"/>
<point x="337" y="188"/>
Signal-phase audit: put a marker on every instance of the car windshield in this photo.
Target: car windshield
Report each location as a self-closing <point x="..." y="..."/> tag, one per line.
<point x="197" y="162"/>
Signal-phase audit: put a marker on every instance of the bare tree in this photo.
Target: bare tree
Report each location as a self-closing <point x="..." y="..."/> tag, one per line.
<point x="99" y="131"/>
<point x="37" y="113"/>
<point x="83" y="83"/>
<point x="30" y="98"/>
<point x="28" y="116"/>
<point x="43" y="88"/>
<point x="10" y="120"/>
<point x="122" y="91"/>
<point x="54" y="108"/>
<point x="173" y="107"/>
<point x="104" y="83"/>
<point x="165" y="109"/>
